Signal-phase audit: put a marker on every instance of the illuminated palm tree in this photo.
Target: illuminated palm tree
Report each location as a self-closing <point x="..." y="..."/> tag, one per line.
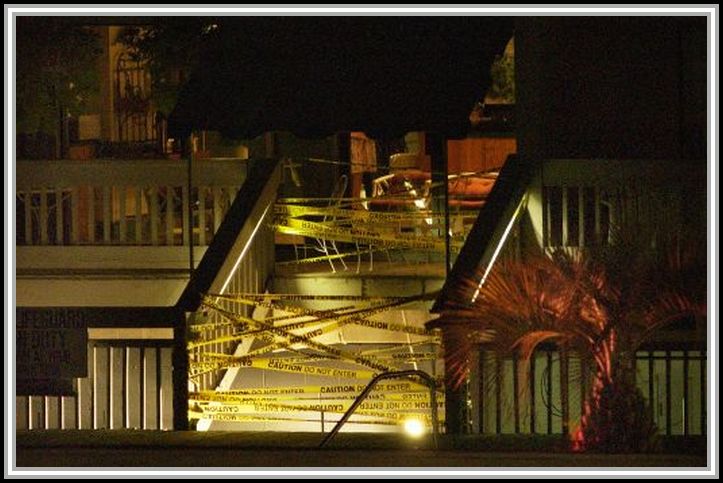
<point x="601" y="303"/>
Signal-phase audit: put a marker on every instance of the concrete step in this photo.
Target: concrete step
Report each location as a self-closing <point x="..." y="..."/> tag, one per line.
<point x="387" y="279"/>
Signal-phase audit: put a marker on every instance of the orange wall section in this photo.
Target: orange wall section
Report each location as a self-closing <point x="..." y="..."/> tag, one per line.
<point x="479" y="154"/>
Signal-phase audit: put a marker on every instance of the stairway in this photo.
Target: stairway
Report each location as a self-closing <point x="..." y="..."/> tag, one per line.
<point x="354" y="325"/>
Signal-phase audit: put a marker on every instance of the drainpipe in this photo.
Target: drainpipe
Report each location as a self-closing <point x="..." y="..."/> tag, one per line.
<point x="436" y="148"/>
<point x="189" y="148"/>
<point x="180" y="372"/>
<point x="455" y="399"/>
<point x="180" y="354"/>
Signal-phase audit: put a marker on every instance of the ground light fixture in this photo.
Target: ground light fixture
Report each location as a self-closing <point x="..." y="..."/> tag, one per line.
<point x="413" y="427"/>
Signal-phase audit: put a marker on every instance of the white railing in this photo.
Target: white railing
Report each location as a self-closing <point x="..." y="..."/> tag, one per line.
<point x="123" y="202"/>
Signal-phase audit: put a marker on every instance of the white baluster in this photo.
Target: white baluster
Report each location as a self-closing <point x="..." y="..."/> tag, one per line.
<point x="139" y="215"/>
<point x="58" y="216"/>
<point x="154" y="215"/>
<point x="74" y="216"/>
<point x="29" y="217"/>
<point x="170" y="195"/>
<point x="91" y="214"/>
<point x="106" y="215"/>
<point x="122" y="228"/>
<point x="43" y="216"/>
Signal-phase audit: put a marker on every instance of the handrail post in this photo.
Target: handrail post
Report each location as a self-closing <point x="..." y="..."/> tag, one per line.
<point x="426" y="378"/>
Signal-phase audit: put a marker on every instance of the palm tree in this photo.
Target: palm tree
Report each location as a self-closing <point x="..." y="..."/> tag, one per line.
<point x="602" y="303"/>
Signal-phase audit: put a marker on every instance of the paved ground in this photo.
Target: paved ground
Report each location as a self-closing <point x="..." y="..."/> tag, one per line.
<point x="288" y="458"/>
<point x="276" y="450"/>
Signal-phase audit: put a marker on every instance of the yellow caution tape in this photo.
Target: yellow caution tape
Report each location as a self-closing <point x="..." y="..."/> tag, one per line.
<point x="307" y="338"/>
<point x="400" y="347"/>
<point x="245" y="404"/>
<point x="376" y="324"/>
<point x="359" y="235"/>
<point x="283" y="366"/>
<point x="386" y="387"/>
<point x="217" y="340"/>
<point x="297" y="297"/>
<point x="231" y="417"/>
<point x="356" y="320"/>
<point x="409" y="357"/>
<point x="303" y="312"/>
<point x="205" y="368"/>
<point x="257" y="352"/>
<point x="209" y="326"/>
<point x="324" y="258"/>
<point x="343" y="201"/>
<point x="309" y="358"/>
<point x="223" y="397"/>
<point x="372" y="408"/>
<point x="345" y="214"/>
<point x="334" y="314"/>
<point x="291" y="338"/>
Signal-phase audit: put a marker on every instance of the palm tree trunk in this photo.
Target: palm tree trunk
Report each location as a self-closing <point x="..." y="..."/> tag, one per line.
<point x="623" y="367"/>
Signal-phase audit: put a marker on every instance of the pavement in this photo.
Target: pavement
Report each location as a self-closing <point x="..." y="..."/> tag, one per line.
<point x="223" y="450"/>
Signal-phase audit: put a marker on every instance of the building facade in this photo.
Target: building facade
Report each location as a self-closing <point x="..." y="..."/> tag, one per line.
<point x="611" y="123"/>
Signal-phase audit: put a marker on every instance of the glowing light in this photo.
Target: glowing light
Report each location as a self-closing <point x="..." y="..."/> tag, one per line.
<point x="414" y="427"/>
<point x="497" y="250"/>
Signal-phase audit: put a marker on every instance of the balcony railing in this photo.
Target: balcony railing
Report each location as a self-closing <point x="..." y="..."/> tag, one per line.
<point x="584" y="200"/>
<point x="123" y="202"/>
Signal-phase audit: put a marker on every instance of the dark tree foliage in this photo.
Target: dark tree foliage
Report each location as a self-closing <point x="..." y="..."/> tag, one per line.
<point x="171" y="49"/>
<point x="503" y="78"/>
<point x="56" y="71"/>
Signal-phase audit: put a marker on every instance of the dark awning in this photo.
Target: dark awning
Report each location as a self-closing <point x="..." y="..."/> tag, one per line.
<point x="318" y="75"/>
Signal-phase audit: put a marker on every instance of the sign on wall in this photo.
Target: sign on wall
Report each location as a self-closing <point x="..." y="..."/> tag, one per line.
<point x="51" y="344"/>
